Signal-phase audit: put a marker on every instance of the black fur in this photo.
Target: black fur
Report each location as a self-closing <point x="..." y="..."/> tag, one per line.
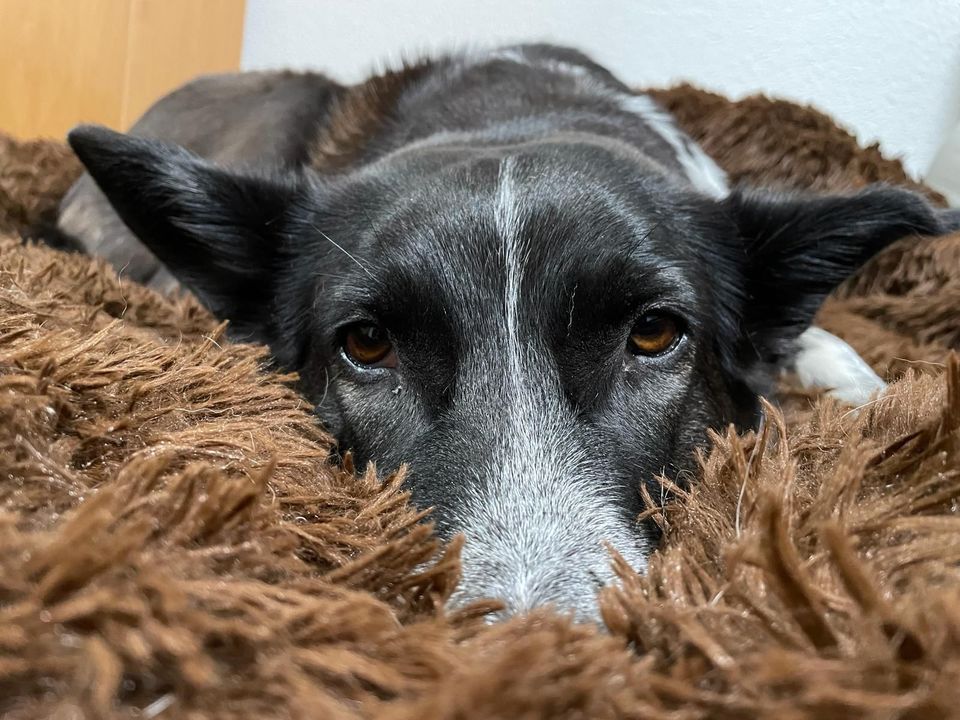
<point x="52" y="236"/>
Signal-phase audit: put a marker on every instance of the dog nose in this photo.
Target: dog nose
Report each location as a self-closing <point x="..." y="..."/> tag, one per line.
<point x="565" y="575"/>
<point x="577" y="599"/>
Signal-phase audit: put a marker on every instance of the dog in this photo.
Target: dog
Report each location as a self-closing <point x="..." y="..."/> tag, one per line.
<point x="502" y="269"/>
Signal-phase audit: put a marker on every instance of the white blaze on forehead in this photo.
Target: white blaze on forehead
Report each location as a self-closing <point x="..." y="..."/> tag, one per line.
<point x="529" y="448"/>
<point x="536" y="517"/>
<point x="507" y="216"/>
<point x="704" y="174"/>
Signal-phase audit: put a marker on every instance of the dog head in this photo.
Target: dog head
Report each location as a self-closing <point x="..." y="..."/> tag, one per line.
<point x="536" y="329"/>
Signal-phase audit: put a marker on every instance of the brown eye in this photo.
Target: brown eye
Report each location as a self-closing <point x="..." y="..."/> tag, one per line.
<point x="654" y="334"/>
<point x="368" y="345"/>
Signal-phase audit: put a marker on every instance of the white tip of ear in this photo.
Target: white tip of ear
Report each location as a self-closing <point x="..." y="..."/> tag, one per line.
<point x="825" y="361"/>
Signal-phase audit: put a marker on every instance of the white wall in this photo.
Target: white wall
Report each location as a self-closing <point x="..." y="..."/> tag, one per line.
<point x="888" y="69"/>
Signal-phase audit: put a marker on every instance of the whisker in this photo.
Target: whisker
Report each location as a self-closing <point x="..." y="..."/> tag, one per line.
<point x="648" y="233"/>
<point x="326" y="386"/>
<point x="341" y="249"/>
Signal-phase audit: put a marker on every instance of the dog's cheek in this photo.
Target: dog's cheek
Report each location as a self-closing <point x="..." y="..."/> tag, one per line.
<point x="332" y="420"/>
<point x="318" y="384"/>
<point x="380" y="420"/>
<point x="699" y="410"/>
<point x="635" y="423"/>
<point x="658" y="420"/>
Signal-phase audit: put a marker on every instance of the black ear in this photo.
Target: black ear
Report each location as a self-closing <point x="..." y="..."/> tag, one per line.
<point x="217" y="231"/>
<point x="799" y="248"/>
<point x="951" y="219"/>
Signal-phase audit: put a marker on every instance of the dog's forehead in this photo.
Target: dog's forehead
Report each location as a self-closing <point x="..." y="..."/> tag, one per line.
<point x="541" y="219"/>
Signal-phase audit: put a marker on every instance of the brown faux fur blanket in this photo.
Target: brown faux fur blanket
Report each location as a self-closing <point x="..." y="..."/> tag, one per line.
<point x="175" y="543"/>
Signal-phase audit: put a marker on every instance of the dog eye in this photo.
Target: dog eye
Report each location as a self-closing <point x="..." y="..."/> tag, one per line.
<point x="368" y="345"/>
<point x="654" y="334"/>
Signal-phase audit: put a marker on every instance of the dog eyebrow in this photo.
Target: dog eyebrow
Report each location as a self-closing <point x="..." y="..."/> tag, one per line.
<point x="622" y="288"/>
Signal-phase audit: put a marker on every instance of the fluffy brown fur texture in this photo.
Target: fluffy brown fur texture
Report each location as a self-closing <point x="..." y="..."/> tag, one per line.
<point x="33" y="177"/>
<point x="174" y="542"/>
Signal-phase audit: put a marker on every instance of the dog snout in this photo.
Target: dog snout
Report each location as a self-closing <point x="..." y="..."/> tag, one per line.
<point x="538" y="522"/>
<point x="569" y="581"/>
<point x="528" y="483"/>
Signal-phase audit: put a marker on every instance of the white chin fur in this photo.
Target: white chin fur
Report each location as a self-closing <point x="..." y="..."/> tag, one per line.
<point x="825" y="361"/>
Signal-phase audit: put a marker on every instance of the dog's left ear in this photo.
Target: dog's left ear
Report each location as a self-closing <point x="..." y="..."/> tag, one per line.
<point x="799" y="248"/>
<point x="217" y="230"/>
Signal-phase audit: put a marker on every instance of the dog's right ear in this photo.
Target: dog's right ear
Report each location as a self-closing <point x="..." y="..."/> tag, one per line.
<point x="799" y="248"/>
<point x="216" y="230"/>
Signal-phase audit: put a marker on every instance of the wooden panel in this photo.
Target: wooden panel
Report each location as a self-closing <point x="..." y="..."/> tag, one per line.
<point x="61" y="63"/>
<point x="68" y="61"/>
<point x="172" y="41"/>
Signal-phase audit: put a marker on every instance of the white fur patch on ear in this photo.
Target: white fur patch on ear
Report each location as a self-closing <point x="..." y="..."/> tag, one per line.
<point x="825" y="361"/>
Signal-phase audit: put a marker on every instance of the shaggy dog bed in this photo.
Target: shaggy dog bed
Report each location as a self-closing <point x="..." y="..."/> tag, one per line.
<point x="174" y="541"/>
